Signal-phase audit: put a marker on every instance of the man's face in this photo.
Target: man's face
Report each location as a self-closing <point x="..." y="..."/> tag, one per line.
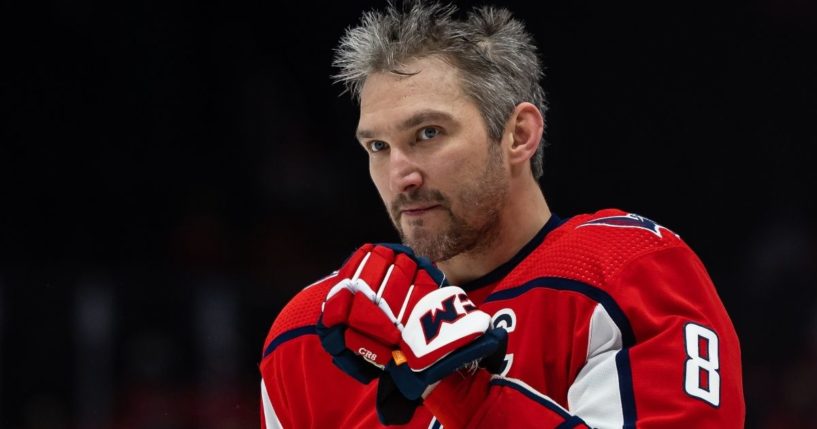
<point x="441" y="177"/>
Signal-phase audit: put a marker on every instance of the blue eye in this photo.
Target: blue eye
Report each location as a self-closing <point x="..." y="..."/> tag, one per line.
<point x="428" y="133"/>
<point x="377" y="145"/>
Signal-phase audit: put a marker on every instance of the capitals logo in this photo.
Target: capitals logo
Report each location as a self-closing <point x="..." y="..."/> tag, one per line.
<point x="630" y="220"/>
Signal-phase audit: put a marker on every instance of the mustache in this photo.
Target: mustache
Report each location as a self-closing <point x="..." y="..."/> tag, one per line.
<point x="415" y="196"/>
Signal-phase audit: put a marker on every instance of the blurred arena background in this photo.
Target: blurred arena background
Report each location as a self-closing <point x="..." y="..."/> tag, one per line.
<point x="172" y="172"/>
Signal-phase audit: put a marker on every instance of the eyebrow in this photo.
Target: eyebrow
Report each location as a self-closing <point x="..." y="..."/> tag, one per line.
<point x="412" y="121"/>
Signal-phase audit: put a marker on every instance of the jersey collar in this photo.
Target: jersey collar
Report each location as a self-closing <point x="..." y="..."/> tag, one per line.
<point x="503" y="270"/>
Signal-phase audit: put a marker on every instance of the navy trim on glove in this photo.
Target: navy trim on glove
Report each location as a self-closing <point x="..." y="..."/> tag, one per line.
<point x="412" y="384"/>
<point x="348" y="362"/>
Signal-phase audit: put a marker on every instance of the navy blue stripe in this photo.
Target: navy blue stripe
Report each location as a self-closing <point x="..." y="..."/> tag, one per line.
<point x="547" y="404"/>
<point x="503" y="270"/>
<point x="625" y="388"/>
<point x="436" y="425"/>
<point x="288" y="335"/>
<point x="571" y="423"/>
<point x="594" y="293"/>
<point x="625" y="375"/>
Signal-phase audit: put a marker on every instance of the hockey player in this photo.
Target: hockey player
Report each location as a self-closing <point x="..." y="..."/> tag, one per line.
<point x="494" y="312"/>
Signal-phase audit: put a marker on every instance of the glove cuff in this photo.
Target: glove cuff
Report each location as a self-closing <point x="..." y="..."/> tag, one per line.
<point x="412" y="384"/>
<point x="392" y="407"/>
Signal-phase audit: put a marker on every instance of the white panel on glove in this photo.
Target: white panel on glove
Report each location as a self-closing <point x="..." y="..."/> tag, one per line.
<point x="440" y="318"/>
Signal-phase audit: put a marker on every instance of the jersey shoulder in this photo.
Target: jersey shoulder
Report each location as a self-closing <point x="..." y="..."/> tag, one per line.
<point x="591" y="248"/>
<point x="609" y="229"/>
<point x="301" y="312"/>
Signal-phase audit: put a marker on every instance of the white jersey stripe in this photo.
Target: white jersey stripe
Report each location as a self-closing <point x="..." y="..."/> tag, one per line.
<point x="595" y="395"/>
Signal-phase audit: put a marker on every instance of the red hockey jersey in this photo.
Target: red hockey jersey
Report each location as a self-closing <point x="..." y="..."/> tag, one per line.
<point x="613" y="322"/>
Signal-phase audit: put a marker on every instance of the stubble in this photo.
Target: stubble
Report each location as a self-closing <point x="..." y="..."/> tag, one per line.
<point x="473" y="214"/>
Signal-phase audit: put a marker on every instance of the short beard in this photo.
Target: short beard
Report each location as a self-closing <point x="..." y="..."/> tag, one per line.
<point x="484" y="197"/>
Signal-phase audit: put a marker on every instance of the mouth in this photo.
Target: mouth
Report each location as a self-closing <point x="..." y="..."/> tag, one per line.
<point x="418" y="211"/>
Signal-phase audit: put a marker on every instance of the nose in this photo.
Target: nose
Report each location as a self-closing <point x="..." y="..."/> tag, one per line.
<point x="404" y="174"/>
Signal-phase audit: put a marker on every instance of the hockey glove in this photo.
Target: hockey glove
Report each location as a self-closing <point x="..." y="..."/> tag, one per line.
<point x="394" y="310"/>
<point x="375" y="335"/>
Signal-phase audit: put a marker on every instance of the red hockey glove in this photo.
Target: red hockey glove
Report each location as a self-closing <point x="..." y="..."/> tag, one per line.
<point x="394" y="310"/>
<point x="357" y="317"/>
<point x="352" y="351"/>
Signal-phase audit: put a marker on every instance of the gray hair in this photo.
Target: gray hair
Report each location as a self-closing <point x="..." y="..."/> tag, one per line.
<point x="496" y="57"/>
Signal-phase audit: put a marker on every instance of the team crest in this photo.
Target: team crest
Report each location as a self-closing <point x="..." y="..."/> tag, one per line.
<point x="630" y="220"/>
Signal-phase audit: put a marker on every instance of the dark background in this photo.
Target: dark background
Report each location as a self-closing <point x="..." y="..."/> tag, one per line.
<point x="172" y="172"/>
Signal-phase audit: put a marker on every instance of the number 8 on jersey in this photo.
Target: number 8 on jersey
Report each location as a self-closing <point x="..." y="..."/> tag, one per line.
<point x="702" y="379"/>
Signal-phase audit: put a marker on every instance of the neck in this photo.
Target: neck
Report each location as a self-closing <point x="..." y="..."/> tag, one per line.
<point x="524" y="214"/>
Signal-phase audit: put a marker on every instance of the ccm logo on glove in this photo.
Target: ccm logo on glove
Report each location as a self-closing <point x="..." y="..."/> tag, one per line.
<point x="441" y="321"/>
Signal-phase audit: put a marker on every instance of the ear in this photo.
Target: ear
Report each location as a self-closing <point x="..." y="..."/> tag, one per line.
<point x="524" y="133"/>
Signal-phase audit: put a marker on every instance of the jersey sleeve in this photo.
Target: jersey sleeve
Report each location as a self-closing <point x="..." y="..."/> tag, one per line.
<point x="293" y="362"/>
<point x="300" y="387"/>
<point x="661" y="352"/>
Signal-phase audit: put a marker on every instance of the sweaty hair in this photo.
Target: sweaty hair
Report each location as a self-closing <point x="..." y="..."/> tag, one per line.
<point x="495" y="56"/>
